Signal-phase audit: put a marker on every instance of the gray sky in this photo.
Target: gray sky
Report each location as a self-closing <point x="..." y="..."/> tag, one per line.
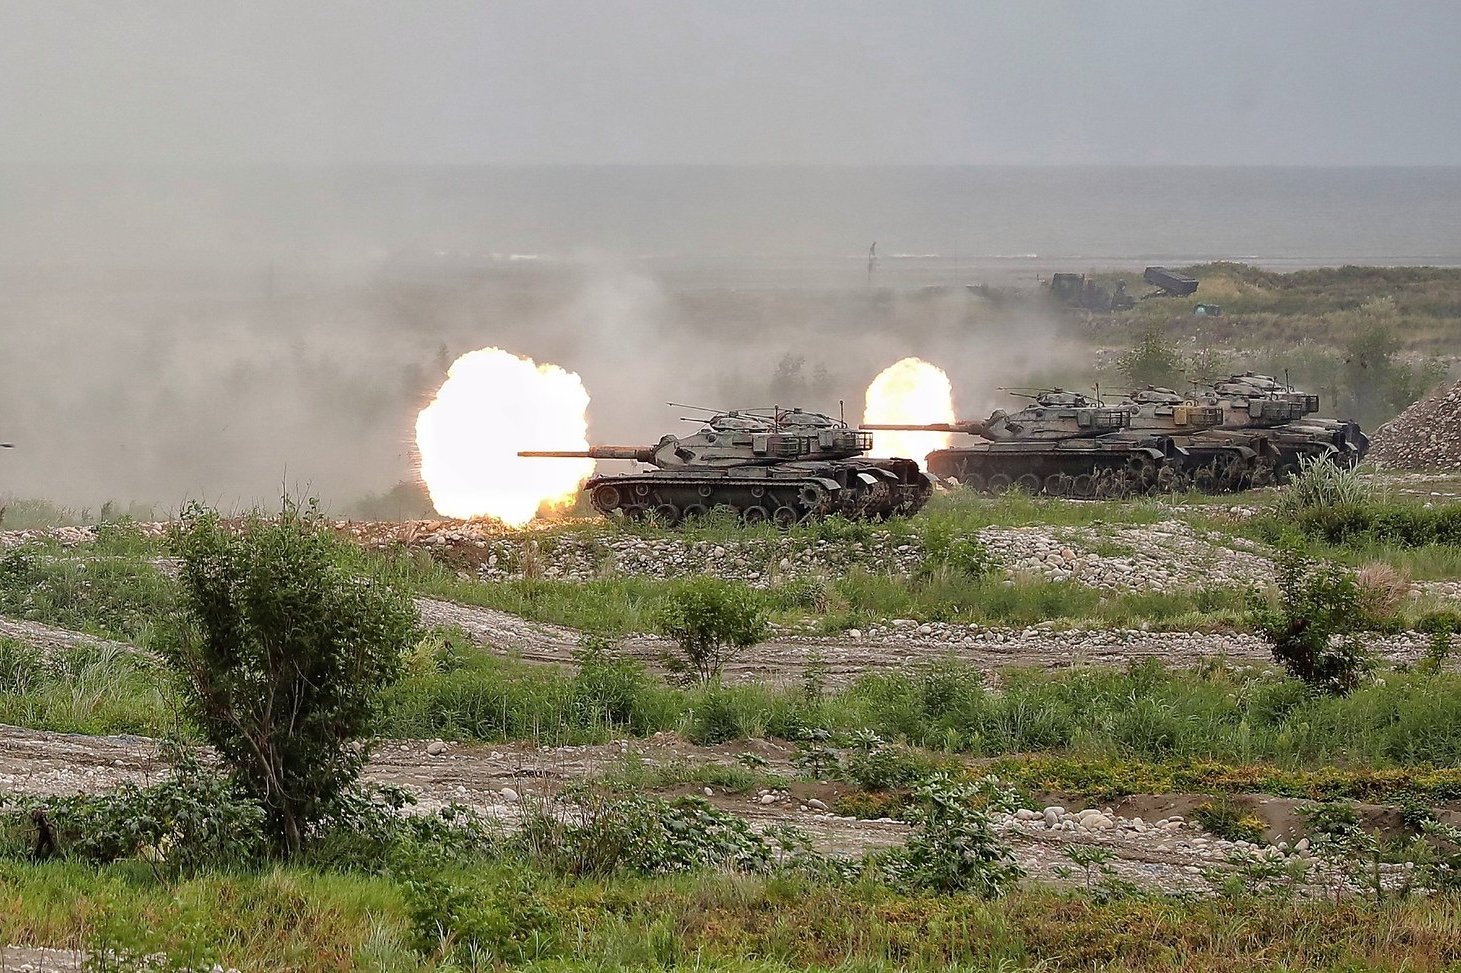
<point x="689" y="81"/>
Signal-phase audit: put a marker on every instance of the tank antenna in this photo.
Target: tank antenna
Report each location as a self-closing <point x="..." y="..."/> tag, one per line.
<point x="842" y="411"/>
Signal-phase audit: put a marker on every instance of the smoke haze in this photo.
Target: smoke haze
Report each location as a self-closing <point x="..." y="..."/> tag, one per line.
<point x="240" y="244"/>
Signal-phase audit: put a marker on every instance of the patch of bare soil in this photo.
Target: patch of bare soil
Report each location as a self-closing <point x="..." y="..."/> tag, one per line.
<point x="499" y="781"/>
<point x="787" y="657"/>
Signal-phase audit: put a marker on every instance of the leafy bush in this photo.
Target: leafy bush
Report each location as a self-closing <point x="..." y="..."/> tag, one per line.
<point x="195" y="819"/>
<point x="587" y="834"/>
<point x="1318" y="605"/>
<point x="612" y="689"/>
<point x="285" y="658"/>
<point x="1226" y="818"/>
<point x="878" y="766"/>
<point x="953" y="847"/>
<point x="1154" y="360"/>
<point x="1321" y="483"/>
<point x="479" y="923"/>
<point x="708" y="617"/>
<point x="1332" y="818"/>
<point x="374" y="829"/>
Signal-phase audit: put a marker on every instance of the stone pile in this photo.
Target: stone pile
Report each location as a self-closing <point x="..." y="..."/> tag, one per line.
<point x="1148" y="557"/>
<point x="1165" y="556"/>
<point x="1425" y="436"/>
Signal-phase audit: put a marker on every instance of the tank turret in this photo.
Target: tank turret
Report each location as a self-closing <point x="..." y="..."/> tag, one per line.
<point x="1058" y="444"/>
<point x="1259" y="406"/>
<point x="780" y="465"/>
<point x="1055" y="414"/>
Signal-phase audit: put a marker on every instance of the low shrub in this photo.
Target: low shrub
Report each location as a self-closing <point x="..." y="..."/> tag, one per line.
<point x="1226" y="818"/>
<point x="953" y="847"/>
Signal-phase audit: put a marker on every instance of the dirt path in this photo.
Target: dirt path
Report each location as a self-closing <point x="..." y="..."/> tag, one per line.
<point x="49" y="638"/>
<point x="499" y="781"/>
<point x="786" y="657"/>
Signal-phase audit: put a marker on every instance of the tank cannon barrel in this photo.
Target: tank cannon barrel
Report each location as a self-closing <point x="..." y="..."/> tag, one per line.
<point x="970" y="427"/>
<point x="642" y="454"/>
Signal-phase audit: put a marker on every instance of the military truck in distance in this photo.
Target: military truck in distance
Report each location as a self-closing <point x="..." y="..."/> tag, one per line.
<point x="1169" y="282"/>
<point x="784" y="466"/>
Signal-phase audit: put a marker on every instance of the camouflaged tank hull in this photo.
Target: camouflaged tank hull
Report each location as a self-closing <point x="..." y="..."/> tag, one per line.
<point x="1113" y="467"/>
<point x="1085" y="468"/>
<point x="783" y="494"/>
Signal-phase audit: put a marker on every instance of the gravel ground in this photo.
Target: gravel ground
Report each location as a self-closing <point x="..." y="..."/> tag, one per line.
<point x="1168" y="852"/>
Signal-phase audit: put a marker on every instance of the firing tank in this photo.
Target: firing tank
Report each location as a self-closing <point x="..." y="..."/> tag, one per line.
<point x="785" y="466"/>
<point x="1063" y="443"/>
<point x="1246" y="431"/>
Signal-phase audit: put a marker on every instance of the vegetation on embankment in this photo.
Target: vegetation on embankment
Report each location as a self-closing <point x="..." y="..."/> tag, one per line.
<point x="290" y="919"/>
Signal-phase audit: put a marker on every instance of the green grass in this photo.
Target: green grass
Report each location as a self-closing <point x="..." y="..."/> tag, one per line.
<point x="114" y="595"/>
<point x="1401" y="720"/>
<point x="31" y="513"/>
<point x="86" y="690"/>
<point x="296" y="919"/>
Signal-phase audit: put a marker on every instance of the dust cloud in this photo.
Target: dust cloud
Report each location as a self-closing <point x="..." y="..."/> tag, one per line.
<point x="232" y="355"/>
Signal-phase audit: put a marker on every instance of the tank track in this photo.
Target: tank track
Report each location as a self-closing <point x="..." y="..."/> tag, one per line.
<point x="1218" y="462"/>
<point x="858" y="490"/>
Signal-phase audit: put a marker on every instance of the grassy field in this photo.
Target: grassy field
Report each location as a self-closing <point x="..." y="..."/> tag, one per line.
<point x="554" y="900"/>
<point x="306" y="920"/>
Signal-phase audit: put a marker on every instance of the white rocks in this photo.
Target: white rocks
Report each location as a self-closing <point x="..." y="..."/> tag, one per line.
<point x="708" y="792"/>
<point x="436" y="748"/>
<point x="1053" y="815"/>
<point x="769" y="798"/>
<point x="815" y="804"/>
<point x="509" y="795"/>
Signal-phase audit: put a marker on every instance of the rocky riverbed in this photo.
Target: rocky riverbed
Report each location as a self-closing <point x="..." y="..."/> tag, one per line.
<point x="1166" y="850"/>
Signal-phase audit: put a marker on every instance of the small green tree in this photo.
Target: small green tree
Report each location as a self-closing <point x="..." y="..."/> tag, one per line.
<point x="1319" y="607"/>
<point x="708" y="617"/>
<point x="1153" y="361"/>
<point x="283" y="656"/>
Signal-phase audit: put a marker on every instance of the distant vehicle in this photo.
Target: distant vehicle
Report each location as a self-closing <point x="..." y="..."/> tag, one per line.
<point x="1169" y="283"/>
<point x="1080" y="291"/>
<point x="1208" y="310"/>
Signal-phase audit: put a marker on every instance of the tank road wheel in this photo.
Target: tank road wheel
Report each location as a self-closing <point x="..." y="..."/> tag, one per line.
<point x="606" y="497"/>
<point x="1233" y="475"/>
<point x="785" y="517"/>
<point x="668" y="514"/>
<point x="1083" y="486"/>
<point x="754" y="515"/>
<point x="814" y="497"/>
<point x="1205" y="478"/>
<point x="693" y="512"/>
<point x="634" y="511"/>
<point x="1057" y="484"/>
<point x="1029" y="482"/>
<point x="998" y="483"/>
<point x="975" y="482"/>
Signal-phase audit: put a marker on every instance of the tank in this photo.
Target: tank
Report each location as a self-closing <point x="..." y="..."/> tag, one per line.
<point x="1281" y="421"/>
<point x="1063" y="443"/>
<point x="1246" y="431"/>
<point x="784" y="466"/>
